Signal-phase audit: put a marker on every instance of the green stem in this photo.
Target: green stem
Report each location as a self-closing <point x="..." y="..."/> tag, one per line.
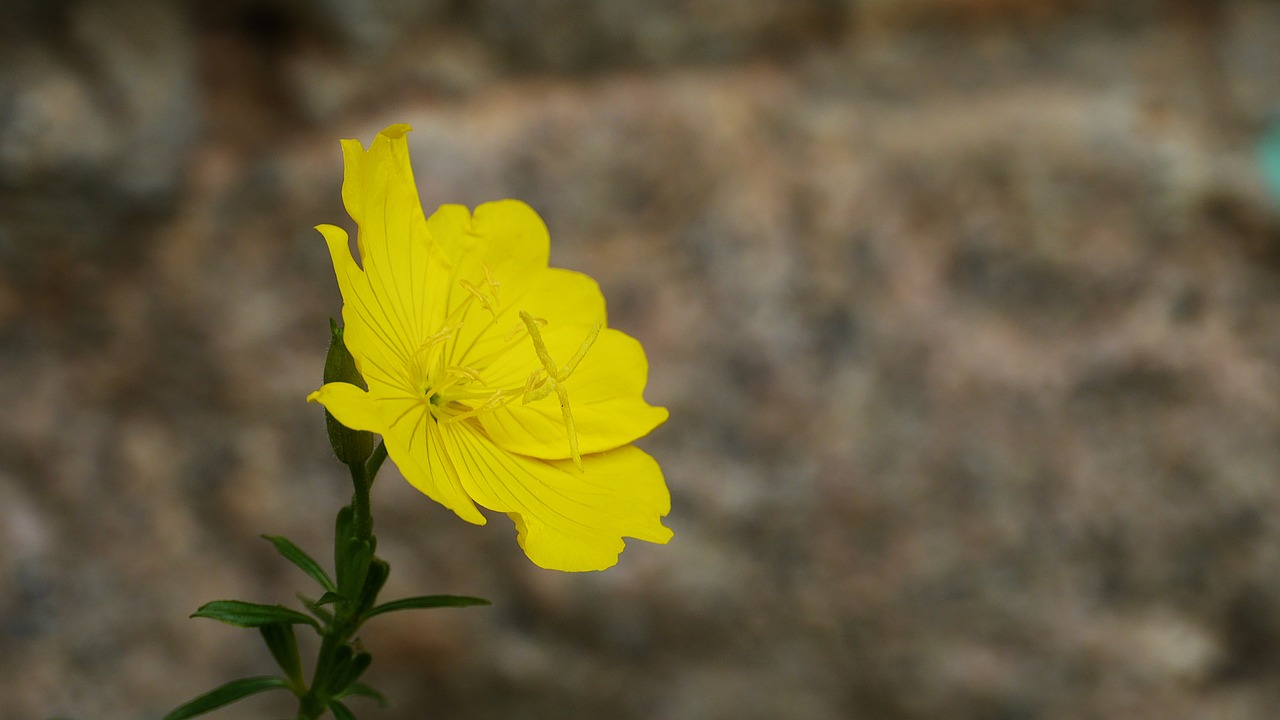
<point x="362" y="477"/>
<point x="314" y="702"/>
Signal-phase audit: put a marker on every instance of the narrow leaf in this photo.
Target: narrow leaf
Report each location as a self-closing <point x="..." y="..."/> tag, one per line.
<point x="423" y="602"/>
<point x="331" y="663"/>
<point x="377" y="576"/>
<point x="357" y="554"/>
<point x="225" y="695"/>
<point x="295" y="555"/>
<point x="341" y="534"/>
<point x="350" y="672"/>
<point x="314" y="606"/>
<point x="330" y="598"/>
<point x="362" y="690"/>
<point x="283" y="644"/>
<point x="340" y="711"/>
<point x="248" y="615"/>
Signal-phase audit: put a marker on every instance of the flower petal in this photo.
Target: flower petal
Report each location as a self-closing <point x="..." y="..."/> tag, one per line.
<point x="505" y="242"/>
<point x="350" y="406"/>
<point x="368" y="332"/>
<point x="396" y="249"/>
<point x="556" y="295"/>
<point x="605" y="395"/>
<point x="405" y="426"/>
<point x="507" y="236"/>
<point x="566" y="519"/>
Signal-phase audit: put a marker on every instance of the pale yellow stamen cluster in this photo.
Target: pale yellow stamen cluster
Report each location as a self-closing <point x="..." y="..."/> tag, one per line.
<point x="452" y="379"/>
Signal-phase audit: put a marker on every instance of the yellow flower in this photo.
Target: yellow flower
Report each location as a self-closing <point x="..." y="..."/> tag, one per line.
<point x="492" y="378"/>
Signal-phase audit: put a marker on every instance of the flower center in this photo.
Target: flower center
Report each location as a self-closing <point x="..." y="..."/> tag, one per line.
<point x="458" y="392"/>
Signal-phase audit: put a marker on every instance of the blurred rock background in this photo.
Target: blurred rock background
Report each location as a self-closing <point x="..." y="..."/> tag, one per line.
<point x="967" y="313"/>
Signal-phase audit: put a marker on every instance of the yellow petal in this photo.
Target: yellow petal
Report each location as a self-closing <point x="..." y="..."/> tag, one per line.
<point x="605" y="394"/>
<point x="506" y="235"/>
<point x="506" y="242"/>
<point x="566" y="519"/>
<point x="350" y="406"/>
<point x="368" y="332"/>
<point x="556" y="295"/>
<point x="406" y="427"/>
<point x="414" y="444"/>
<point x="397" y="253"/>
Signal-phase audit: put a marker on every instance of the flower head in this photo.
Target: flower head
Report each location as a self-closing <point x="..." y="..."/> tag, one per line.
<point x="492" y="378"/>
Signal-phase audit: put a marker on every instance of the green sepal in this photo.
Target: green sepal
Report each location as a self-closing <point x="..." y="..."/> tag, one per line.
<point x="376" y="577"/>
<point x="283" y="644"/>
<point x="359" y="689"/>
<point x="225" y="695"/>
<point x="352" y="447"/>
<point x="250" y="615"/>
<point x="297" y="556"/>
<point x="423" y="602"/>
<point x="340" y="711"/>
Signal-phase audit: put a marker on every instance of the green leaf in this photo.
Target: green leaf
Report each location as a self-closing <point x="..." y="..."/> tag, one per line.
<point x="423" y="602"/>
<point x="331" y="663"/>
<point x="225" y="695"/>
<point x="360" y="689"/>
<point x="314" y="606"/>
<point x="355" y="567"/>
<point x="295" y="555"/>
<point x="248" y="615"/>
<point x="349" y="672"/>
<point x="342" y="537"/>
<point x="340" y="711"/>
<point x="283" y="645"/>
<point x="330" y="598"/>
<point x="343" y="523"/>
<point x="376" y="577"/>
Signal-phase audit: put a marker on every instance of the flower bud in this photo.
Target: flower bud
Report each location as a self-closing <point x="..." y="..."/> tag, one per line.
<point x="352" y="447"/>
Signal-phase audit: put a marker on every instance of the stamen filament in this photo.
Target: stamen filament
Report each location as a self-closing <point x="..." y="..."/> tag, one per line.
<point x="568" y="424"/>
<point x="570" y="366"/>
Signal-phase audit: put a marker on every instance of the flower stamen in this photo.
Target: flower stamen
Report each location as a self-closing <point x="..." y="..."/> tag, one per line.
<point x="485" y="301"/>
<point x="469" y="373"/>
<point x="537" y="387"/>
<point x="495" y="401"/>
<point x="493" y="284"/>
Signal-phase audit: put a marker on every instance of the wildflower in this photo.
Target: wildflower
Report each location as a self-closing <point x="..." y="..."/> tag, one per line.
<point x="492" y="378"/>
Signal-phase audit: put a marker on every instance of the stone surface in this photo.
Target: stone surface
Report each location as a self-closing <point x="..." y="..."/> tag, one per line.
<point x="965" y="312"/>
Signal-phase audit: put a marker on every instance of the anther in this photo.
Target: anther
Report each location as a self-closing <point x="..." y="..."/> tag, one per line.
<point x="533" y="384"/>
<point x="478" y="294"/>
<point x="467" y="372"/>
<point x="493" y="284"/>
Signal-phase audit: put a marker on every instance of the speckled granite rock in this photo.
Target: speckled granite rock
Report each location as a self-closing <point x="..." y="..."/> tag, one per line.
<point x="969" y="329"/>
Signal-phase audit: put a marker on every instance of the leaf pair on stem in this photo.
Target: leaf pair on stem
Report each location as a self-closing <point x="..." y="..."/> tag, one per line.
<point x="336" y="616"/>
